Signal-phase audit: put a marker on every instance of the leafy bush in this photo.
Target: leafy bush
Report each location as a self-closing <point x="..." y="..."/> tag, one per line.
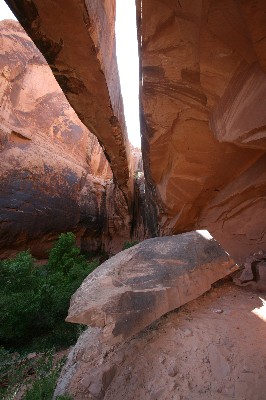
<point x="127" y="245"/>
<point x="34" y="299"/>
<point x="19" y="297"/>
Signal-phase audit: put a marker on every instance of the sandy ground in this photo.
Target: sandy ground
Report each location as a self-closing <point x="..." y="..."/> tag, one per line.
<point x="212" y="348"/>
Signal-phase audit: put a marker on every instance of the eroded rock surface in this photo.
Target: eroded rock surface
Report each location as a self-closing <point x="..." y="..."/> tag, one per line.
<point x="254" y="272"/>
<point x="212" y="348"/>
<point x="137" y="286"/>
<point x="203" y="99"/>
<point x="78" y="42"/>
<point x="54" y="176"/>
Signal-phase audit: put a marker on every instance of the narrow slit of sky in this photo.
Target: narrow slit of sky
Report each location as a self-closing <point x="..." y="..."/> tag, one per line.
<point x="127" y="58"/>
<point x="5" y="12"/>
<point x="128" y="65"/>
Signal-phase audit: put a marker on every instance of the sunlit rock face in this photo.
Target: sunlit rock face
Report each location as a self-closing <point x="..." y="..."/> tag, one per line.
<point x="54" y="176"/>
<point x="203" y="97"/>
<point x="78" y="42"/>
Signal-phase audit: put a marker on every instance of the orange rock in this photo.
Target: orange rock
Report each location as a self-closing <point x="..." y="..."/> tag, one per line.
<point x="54" y="175"/>
<point x="78" y="41"/>
<point x="203" y="100"/>
<point x="137" y="286"/>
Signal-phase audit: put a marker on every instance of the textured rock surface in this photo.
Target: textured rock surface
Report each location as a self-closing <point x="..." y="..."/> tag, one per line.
<point x="137" y="286"/>
<point x="254" y="272"/>
<point x="54" y="176"/>
<point x="193" y="353"/>
<point x="203" y="99"/>
<point x="78" y="41"/>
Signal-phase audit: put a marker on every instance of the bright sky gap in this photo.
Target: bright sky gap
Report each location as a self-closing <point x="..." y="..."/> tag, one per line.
<point x="127" y="58"/>
<point x="128" y="65"/>
<point x="5" y="12"/>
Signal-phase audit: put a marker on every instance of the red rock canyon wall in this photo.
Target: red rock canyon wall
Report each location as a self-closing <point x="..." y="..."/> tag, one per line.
<point x="203" y="97"/>
<point x="203" y="88"/>
<point x="77" y="39"/>
<point x="54" y="176"/>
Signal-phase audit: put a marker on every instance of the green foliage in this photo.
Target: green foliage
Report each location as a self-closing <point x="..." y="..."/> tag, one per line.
<point x="34" y="299"/>
<point x="36" y="377"/>
<point x="127" y="245"/>
<point x="65" y="255"/>
<point x="12" y="372"/>
<point x="46" y="375"/>
<point x="19" y="297"/>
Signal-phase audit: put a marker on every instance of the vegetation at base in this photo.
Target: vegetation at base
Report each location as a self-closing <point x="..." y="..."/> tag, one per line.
<point x="31" y="378"/>
<point x="34" y="301"/>
<point x="127" y="245"/>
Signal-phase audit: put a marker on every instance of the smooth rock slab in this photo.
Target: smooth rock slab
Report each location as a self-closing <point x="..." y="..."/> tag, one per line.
<point x="137" y="286"/>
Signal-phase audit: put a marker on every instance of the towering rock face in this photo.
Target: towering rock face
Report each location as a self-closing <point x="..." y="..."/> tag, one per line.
<point x="203" y="87"/>
<point x="77" y="39"/>
<point x="203" y="99"/>
<point x="54" y="176"/>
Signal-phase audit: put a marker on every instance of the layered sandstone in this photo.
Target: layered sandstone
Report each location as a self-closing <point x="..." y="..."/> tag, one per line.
<point x="78" y="41"/>
<point x="203" y="87"/>
<point x="203" y="100"/>
<point x="54" y="176"/>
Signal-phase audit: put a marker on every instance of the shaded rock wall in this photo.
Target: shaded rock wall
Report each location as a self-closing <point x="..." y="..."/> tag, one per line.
<point x="145" y="211"/>
<point x="203" y="121"/>
<point x="54" y="176"/>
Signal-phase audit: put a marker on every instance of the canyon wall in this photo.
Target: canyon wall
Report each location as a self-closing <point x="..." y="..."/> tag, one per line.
<point x="203" y="91"/>
<point x="54" y="176"/>
<point x="77" y="38"/>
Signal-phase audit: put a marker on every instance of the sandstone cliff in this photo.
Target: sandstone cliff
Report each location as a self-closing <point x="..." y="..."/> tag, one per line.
<point x="77" y="39"/>
<point x="203" y="87"/>
<point x="203" y="123"/>
<point x="54" y="176"/>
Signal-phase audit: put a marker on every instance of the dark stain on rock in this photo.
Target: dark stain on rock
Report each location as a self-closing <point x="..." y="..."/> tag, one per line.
<point x="139" y="304"/>
<point x="70" y="84"/>
<point x="153" y="72"/>
<point x="114" y="121"/>
<point x="35" y="205"/>
<point x="50" y="48"/>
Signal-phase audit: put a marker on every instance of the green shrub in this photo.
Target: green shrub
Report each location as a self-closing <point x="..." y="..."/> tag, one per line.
<point x="46" y="375"/>
<point x="36" y="377"/>
<point x="127" y="245"/>
<point x="12" y="373"/>
<point x="34" y="300"/>
<point x="19" y="297"/>
<point x="65" y="255"/>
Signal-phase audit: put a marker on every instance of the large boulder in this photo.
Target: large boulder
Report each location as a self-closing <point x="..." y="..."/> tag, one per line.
<point x="212" y="348"/>
<point x="137" y="286"/>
